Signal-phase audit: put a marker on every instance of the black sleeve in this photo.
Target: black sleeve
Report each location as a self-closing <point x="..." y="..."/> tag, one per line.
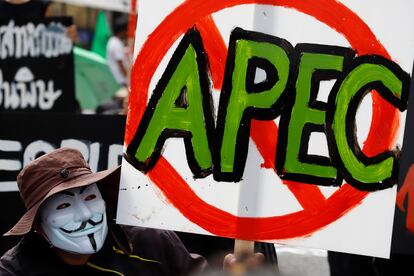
<point x="6" y="267"/>
<point x="166" y="248"/>
<point x="181" y="262"/>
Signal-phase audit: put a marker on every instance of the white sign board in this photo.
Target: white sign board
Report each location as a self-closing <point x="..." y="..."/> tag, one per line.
<point x="268" y="120"/>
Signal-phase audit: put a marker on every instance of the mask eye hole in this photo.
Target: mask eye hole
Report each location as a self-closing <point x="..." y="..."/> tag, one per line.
<point x="90" y="197"/>
<point x="63" y="206"/>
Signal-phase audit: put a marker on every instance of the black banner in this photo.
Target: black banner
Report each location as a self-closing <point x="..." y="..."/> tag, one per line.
<point x="36" y="66"/>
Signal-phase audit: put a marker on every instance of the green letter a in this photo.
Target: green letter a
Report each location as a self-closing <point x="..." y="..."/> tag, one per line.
<point x="179" y="107"/>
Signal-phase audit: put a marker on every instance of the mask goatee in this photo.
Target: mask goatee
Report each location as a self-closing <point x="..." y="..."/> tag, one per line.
<point x="92" y="240"/>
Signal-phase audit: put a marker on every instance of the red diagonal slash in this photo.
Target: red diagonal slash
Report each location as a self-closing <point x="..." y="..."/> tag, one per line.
<point x="215" y="48"/>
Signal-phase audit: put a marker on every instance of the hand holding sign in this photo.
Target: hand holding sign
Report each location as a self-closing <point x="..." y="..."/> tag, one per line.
<point x="244" y="264"/>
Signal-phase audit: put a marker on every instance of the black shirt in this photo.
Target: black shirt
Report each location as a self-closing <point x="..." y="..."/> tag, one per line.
<point x="153" y="252"/>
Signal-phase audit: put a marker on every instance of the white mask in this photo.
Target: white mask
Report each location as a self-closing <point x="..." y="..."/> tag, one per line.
<point x="75" y="220"/>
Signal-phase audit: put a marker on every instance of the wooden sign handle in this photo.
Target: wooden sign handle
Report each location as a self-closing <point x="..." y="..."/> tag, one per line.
<point x="243" y="248"/>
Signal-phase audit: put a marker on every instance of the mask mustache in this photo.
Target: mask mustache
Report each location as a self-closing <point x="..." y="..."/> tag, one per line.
<point x="83" y="225"/>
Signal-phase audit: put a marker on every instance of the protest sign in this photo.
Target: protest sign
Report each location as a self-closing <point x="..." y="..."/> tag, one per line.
<point x="36" y="66"/>
<point x="268" y="120"/>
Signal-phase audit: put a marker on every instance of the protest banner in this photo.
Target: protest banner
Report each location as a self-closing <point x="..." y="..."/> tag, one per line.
<point x="27" y="136"/>
<point x="36" y="66"/>
<point x="268" y="120"/>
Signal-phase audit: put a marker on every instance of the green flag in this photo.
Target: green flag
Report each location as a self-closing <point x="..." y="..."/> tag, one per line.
<point x="101" y="36"/>
<point x="94" y="81"/>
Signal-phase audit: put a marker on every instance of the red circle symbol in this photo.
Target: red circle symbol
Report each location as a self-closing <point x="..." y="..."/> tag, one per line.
<point x="318" y="211"/>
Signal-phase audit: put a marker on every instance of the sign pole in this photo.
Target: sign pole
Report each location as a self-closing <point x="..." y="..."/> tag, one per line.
<point x="263" y="23"/>
<point x="243" y="248"/>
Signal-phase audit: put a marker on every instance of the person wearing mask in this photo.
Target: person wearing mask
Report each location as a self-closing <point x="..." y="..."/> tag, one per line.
<point x="69" y="228"/>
